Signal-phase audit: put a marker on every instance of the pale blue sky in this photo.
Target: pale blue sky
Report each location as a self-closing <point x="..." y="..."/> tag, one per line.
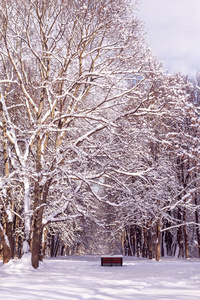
<point x="173" y="32"/>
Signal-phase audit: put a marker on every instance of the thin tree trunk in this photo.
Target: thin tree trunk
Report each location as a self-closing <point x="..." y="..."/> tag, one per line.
<point x="27" y="219"/>
<point x="122" y="243"/>
<point x="185" y="235"/>
<point x="8" y="217"/>
<point x="138" y="241"/>
<point x="197" y="227"/>
<point x="134" y="240"/>
<point x="144" y="248"/>
<point x="52" y="245"/>
<point x="150" y="244"/>
<point x="62" y="252"/>
<point x="158" y="240"/>
<point x="18" y="242"/>
<point x="44" y="241"/>
<point x="180" y="235"/>
<point x="129" y="241"/>
<point x="57" y="246"/>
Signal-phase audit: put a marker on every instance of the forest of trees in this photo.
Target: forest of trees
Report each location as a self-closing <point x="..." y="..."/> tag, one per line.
<point x="99" y="144"/>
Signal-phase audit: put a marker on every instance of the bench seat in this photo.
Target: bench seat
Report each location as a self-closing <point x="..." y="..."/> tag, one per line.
<point x="116" y="260"/>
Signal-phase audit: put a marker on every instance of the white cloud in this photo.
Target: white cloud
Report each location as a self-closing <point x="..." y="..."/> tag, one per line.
<point x="173" y="32"/>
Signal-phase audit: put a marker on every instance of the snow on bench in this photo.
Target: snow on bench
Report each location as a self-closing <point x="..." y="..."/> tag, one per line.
<point x="116" y="260"/>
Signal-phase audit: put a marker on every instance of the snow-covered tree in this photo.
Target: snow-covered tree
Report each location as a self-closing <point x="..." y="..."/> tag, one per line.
<point x="68" y="70"/>
<point x="154" y="196"/>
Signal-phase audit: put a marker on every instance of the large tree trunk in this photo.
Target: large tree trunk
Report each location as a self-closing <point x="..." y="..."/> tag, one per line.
<point x="37" y="238"/>
<point x="18" y="239"/>
<point x="9" y="233"/>
<point x="7" y="254"/>
<point x="38" y="209"/>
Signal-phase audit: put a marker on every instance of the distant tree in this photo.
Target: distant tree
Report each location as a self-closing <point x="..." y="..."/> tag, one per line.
<point x="149" y="210"/>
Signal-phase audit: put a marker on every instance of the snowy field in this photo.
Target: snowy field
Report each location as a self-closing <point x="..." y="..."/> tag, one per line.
<point x="80" y="278"/>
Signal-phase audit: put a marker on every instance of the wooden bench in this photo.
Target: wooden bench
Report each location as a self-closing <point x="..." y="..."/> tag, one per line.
<point x="116" y="260"/>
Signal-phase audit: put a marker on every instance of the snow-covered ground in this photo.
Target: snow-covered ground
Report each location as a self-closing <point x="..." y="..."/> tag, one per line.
<point x="72" y="278"/>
